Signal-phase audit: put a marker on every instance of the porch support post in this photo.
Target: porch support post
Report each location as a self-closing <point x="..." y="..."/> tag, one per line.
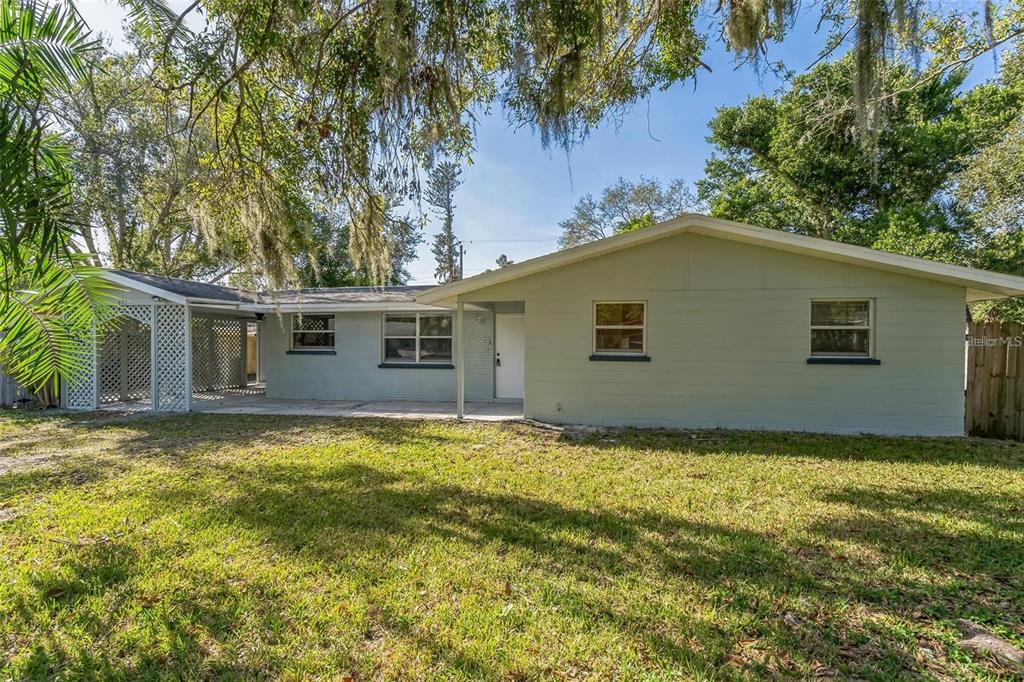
<point x="154" y="376"/>
<point x="460" y="362"/>
<point x="95" y="366"/>
<point x="188" y="357"/>
<point x="244" y="372"/>
<point x="259" y="352"/>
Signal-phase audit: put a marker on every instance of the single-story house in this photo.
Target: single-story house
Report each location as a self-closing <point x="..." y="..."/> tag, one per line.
<point x="695" y="322"/>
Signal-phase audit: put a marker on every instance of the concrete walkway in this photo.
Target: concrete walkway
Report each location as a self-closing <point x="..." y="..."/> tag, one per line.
<point x="236" y="402"/>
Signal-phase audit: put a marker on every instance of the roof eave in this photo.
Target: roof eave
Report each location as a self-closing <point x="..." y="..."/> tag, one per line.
<point x="365" y="306"/>
<point x="128" y="283"/>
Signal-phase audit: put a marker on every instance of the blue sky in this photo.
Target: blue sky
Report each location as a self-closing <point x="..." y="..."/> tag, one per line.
<point x="515" y="192"/>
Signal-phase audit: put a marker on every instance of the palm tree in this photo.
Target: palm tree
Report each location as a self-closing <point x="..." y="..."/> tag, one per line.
<point x="49" y="300"/>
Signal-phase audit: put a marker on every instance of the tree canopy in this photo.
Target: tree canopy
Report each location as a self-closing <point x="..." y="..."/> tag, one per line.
<point x="792" y="161"/>
<point x="359" y="98"/>
<point x="626" y="205"/>
<point x="940" y="179"/>
<point x="444" y="179"/>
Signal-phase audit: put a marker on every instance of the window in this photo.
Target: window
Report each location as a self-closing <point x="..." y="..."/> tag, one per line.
<point x="841" y="328"/>
<point x="312" y="332"/>
<point x="619" y="328"/>
<point x="418" y="337"/>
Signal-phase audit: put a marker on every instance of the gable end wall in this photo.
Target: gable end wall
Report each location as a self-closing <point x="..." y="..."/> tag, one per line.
<point x="728" y="335"/>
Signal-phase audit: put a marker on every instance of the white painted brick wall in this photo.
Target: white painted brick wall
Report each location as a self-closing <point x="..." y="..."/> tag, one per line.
<point x="353" y="374"/>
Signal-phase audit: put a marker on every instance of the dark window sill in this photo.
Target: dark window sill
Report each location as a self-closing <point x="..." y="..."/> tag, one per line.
<point x="414" y="365"/>
<point x="600" y="357"/>
<point x="843" y="361"/>
<point x="311" y="352"/>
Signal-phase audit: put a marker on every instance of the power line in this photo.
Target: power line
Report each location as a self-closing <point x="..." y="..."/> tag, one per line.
<point x="504" y="241"/>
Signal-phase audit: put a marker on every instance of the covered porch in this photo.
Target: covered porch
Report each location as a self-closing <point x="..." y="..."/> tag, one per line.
<point x="157" y="350"/>
<point x="509" y="352"/>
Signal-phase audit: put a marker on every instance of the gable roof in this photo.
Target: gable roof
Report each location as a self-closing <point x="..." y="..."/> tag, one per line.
<point x="980" y="284"/>
<point x="392" y="294"/>
<point x="184" y="290"/>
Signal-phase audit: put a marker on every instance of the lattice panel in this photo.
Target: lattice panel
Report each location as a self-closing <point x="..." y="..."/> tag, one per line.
<point x="171" y="335"/>
<point x="216" y="354"/>
<point x="137" y="347"/>
<point x="124" y="356"/>
<point x="139" y="313"/>
<point x="80" y="387"/>
<point x="138" y="374"/>
<point x="109" y="370"/>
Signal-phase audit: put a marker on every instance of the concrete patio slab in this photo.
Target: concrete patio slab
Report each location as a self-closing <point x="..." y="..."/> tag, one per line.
<point x="233" y="402"/>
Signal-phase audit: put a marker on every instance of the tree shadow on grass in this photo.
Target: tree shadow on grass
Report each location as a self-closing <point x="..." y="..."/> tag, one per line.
<point x="95" y="592"/>
<point x="353" y="510"/>
<point x="358" y="519"/>
<point x="974" y="541"/>
<point x="178" y="435"/>
<point x="1002" y="454"/>
<point x="42" y="479"/>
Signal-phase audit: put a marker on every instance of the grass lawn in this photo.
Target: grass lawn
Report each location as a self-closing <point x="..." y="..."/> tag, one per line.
<point x="253" y="546"/>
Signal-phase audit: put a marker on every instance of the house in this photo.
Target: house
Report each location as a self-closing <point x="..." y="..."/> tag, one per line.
<point x="695" y="322"/>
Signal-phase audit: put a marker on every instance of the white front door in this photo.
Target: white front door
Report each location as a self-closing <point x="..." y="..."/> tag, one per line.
<point x="509" y="356"/>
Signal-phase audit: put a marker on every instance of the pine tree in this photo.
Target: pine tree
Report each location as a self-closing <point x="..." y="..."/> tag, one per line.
<point x="442" y="182"/>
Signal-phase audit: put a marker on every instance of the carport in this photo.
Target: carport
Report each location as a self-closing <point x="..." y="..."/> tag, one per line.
<point x="165" y="340"/>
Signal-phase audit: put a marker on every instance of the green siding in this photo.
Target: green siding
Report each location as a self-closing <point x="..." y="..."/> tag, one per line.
<point x="728" y="334"/>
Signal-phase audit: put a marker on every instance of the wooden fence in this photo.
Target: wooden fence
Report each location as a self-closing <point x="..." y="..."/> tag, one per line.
<point x="995" y="380"/>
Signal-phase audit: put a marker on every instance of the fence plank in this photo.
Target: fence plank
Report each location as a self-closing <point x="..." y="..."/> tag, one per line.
<point x="994" y="398"/>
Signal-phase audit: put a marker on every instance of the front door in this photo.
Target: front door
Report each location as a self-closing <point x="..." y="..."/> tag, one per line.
<point x="509" y="356"/>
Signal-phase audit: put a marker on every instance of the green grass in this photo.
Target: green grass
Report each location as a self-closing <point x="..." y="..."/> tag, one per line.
<point x="244" y="546"/>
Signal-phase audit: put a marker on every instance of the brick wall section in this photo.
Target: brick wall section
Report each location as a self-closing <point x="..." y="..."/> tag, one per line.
<point x="353" y="373"/>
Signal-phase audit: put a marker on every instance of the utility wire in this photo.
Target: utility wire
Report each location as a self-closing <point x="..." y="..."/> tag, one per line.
<point x="504" y="241"/>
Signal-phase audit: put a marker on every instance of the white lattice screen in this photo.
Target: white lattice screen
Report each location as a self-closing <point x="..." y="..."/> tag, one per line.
<point x="171" y="339"/>
<point x="124" y="358"/>
<point x="217" y="346"/>
<point x="144" y="354"/>
<point x="109" y="369"/>
<point x="120" y="353"/>
<point x="80" y="389"/>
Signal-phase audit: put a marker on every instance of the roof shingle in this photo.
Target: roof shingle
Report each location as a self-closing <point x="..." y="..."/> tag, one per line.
<point x="216" y="292"/>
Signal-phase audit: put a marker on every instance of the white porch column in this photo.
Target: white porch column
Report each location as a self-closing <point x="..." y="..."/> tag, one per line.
<point x="259" y="352"/>
<point x="154" y="362"/>
<point x="188" y="357"/>
<point x="460" y="362"/>
<point x="243" y="328"/>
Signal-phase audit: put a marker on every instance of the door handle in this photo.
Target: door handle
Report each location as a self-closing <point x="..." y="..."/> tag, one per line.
<point x="497" y="360"/>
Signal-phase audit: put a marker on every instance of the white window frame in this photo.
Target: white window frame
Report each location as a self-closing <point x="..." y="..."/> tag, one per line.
<point x="870" y="326"/>
<point x="384" y="336"/>
<point x="294" y="331"/>
<point x="595" y="327"/>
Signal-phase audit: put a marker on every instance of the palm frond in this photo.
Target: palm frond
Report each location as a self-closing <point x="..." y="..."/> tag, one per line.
<point x="37" y="202"/>
<point x="154" y="19"/>
<point x="49" y="318"/>
<point x="41" y="46"/>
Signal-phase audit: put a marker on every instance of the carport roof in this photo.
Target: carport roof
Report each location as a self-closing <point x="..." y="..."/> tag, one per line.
<point x="187" y="288"/>
<point x="183" y="290"/>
